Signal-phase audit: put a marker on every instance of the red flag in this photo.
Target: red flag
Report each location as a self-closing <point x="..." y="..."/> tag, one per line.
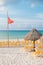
<point x="10" y="21"/>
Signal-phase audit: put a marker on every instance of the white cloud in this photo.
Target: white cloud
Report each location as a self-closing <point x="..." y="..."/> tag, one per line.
<point x="32" y="5"/>
<point x="21" y="24"/>
<point x="40" y="15"/>
<point x="2" y="8"/>
<point x="1" y="2"/>
<point x="15" y="11"/>
<point x="3" y="20"/>
<point x="3" y="12"/>
<point x="3" y="23"/>
<point x="25" y="24"/>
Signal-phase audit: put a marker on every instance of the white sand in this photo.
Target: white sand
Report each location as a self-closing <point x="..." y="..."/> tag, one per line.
<point x="11" y="39"/>
<point x="15" y="56"/>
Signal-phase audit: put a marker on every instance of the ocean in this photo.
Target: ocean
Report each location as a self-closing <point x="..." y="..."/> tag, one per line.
<point x="14" y="34"/>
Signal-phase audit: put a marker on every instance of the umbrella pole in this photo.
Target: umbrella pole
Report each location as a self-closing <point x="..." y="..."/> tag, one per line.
<point x="34" y="45"/>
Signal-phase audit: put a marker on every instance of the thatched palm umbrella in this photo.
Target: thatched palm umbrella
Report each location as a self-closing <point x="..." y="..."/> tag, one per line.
<point x="41" y="39"/>
<point x="33" y="35"/>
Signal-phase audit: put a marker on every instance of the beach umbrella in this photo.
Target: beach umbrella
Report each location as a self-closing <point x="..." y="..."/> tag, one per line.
<point x="41" y="39"/>
<point x="33" y="35"/>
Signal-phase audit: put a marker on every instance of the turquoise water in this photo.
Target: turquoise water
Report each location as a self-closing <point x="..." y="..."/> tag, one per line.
<point x="19" y="34"/>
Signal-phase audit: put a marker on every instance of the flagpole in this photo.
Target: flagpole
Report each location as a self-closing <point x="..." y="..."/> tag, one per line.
<point x="7" y="29"/>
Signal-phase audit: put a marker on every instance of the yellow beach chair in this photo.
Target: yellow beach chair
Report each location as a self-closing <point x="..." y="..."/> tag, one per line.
<point x="12" y="44"/>
<point x="39" y="53"/>
<point x="23" y="43"/>
<point x="0" y="44"/>
<point x="28" y="48"/>
<point x="40" y="47"/>
<point x="4" y="44"/>
<point x="26" y="42"/>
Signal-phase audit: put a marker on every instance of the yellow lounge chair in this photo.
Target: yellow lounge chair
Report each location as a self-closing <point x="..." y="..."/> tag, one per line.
<point x="28" y="48"/>
<point x="39" y="53"/>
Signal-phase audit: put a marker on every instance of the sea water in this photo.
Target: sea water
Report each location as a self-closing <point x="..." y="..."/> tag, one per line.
<point x="14" y="34"/>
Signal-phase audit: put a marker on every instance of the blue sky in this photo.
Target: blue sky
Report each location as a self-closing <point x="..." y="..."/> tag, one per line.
<point x="27" y="14"/>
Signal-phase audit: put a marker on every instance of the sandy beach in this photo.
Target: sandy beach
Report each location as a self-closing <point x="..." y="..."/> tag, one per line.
<point x="16" y="56"/>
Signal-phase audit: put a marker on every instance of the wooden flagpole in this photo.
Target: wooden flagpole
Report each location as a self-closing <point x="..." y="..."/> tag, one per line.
<point x="7" y="29"/>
